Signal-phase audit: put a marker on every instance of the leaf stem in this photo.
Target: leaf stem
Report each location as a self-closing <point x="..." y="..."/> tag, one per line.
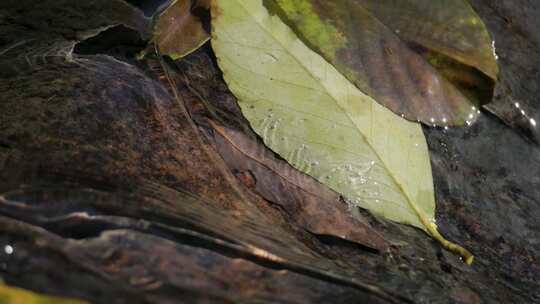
<point x="467" y="255"/>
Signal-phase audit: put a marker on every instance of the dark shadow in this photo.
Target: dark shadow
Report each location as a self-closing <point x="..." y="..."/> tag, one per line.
<point x="119" y="41"/>
<point x="149" y="7"/>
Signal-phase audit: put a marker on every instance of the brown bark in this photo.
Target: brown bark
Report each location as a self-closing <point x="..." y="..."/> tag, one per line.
<point x="139" y="182"/>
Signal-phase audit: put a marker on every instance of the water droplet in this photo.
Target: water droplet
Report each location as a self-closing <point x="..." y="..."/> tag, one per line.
<point x="8" y="249"/>
<point x="533" y="122"/>
<point x="516" y="104"/>
<point x="494" y="50"/>
<point x="522" y="112"/>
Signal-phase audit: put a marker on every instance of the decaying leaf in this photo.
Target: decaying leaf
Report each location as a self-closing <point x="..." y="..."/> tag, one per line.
<point x="311" y="115"/>
<point x="448" y="27"/>
<point x="178" y="31"/>
<point x="314" y="207"/>
<point x="425" y="60"/>
<point x="13" y="295"/>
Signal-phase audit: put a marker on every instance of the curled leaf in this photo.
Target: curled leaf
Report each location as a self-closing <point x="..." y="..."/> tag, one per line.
<point x="311" y="115"/>
<point x="425" y="60"/>
<point x="178" y="31"/>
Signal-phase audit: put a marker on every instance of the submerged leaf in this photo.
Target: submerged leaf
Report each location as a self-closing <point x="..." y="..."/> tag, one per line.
<point x="425" y="60"/>
<point x="12" y="295"/>
<point x="311" y="115"/>
<point x="178" y="31"/>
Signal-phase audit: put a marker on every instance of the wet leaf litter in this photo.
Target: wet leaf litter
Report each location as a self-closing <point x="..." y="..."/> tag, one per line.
<point x="312" y="116"/>
<point x="486" y="193"/>
<point x="427" y="61"/>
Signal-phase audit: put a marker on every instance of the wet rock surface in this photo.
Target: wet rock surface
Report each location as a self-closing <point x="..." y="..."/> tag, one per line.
<point x="140" y="182"/>
<point x="513" y="26"/>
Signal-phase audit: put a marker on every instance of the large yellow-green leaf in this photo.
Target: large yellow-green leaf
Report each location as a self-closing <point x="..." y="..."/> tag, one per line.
<point x="427" y="60"/>
<point x="13" y="295"/>
<point x="311" y="115"/>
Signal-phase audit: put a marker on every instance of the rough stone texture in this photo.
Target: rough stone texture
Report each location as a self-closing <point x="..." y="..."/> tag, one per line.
<point x="140" y="182"/>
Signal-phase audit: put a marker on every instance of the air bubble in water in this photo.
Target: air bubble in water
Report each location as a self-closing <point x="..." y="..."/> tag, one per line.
<point x="8" y="249"/>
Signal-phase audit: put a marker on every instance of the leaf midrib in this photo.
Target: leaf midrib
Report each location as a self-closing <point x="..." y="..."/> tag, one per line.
<point x="419" y="213"/>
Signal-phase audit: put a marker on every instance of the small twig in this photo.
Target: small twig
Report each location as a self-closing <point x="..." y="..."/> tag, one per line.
<point x="14" y="45"/>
